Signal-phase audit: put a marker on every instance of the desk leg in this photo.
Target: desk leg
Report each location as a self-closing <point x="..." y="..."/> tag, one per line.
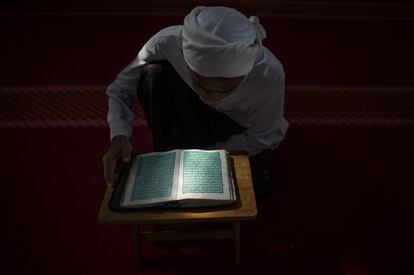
<point x="237" y="242"/>
<point x="137" y="245"/>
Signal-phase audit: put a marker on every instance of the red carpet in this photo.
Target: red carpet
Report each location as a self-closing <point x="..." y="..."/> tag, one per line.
<point x="343" y="176"/>
<point x="86" y="106"/>
<point x="332" y="196"/>
<point x="54" y="188"/>
<point x="70" y="49"/>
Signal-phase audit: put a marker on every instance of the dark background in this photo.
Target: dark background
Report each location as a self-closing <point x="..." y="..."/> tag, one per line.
<point x="343" y="177"/>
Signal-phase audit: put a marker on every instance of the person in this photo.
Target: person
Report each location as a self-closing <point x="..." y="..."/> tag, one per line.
<point x="208" y="84"/>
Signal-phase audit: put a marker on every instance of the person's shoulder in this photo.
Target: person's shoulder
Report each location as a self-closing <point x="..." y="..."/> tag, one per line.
<point x="268" y="75"/>
<point x="169" y="34"/>
<point x="268" y="71"/>
<point x="271" y="65"/>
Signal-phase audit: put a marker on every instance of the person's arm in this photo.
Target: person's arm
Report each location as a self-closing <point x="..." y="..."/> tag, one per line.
<point x="121" y="94"/>
<point x="268" y="129"/>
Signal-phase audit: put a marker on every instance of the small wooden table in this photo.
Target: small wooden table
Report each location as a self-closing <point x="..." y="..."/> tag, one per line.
<point x="243" y="209"/>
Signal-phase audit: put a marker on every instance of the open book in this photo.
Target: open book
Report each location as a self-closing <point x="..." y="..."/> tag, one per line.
<point x="179" y="178"/>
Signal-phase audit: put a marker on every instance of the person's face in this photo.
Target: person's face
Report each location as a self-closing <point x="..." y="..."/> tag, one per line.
<point x="213" y="88"/>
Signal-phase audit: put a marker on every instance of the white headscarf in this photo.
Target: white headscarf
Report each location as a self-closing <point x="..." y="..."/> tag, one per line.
<point x="221" y="42"/>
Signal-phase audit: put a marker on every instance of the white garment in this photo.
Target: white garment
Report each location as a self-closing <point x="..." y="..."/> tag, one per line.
<point x="221" y="42"/>
<point x="257" y="104"/>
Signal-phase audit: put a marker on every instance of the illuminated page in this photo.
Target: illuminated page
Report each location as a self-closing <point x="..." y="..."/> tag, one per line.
<point x="152" y="179"/>
<point x="204" y="175"/>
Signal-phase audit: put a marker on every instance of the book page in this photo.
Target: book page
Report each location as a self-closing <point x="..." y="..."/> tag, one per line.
<point x="152" y="179"/>
<point x="204" y="175"/>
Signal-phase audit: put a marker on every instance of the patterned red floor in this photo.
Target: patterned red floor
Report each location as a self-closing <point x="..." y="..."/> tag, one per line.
<point x="55" y="106"/>
<point x="342" y="192"/>
<point x="86" y="106"/>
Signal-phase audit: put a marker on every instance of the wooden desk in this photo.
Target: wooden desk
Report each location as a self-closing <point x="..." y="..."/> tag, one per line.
<point x="244" y="209"/>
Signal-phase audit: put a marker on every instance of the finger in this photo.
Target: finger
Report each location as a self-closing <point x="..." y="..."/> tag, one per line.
<point x="126" y="152"/>
<point x="110" y="170"/>
<point x="112" y="173"/>
<point x="119" y="165"/>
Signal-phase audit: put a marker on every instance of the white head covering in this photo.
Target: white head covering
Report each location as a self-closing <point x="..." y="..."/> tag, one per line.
<point x="221" y="42"/>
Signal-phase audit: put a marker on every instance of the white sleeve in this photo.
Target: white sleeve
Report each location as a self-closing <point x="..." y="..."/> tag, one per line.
<point x="122" y="91"/>
<point x="268" y="128"/>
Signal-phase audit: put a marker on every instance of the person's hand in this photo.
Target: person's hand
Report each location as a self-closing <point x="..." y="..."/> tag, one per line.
<point x="119" y="153"/>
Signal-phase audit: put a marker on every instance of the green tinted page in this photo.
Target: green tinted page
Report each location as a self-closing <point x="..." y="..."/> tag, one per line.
<point x="203" y="174"/>
<point x="153" y="179"/>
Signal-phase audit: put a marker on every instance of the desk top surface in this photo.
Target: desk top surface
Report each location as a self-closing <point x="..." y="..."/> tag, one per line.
<point x="243" y="209"/>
